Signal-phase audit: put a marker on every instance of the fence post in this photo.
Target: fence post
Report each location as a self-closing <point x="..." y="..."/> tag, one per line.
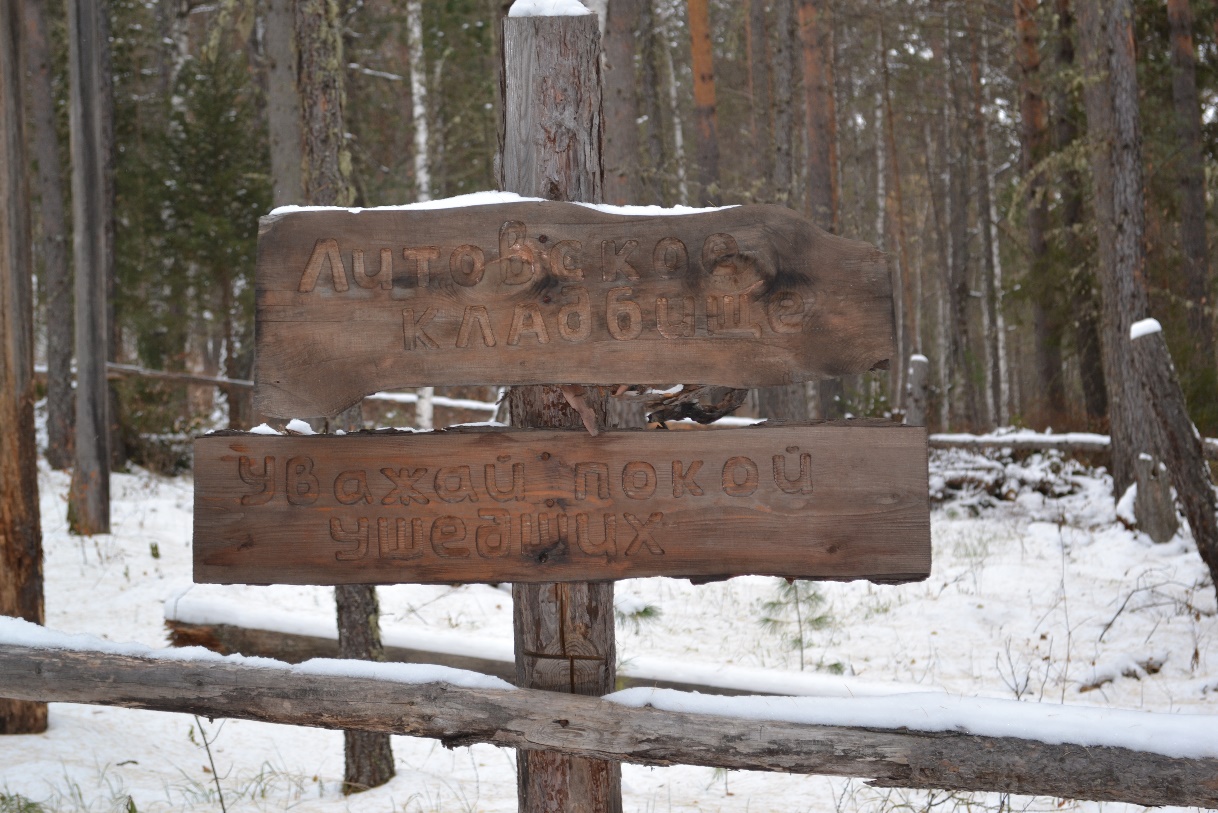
<point x="564" y="635"/>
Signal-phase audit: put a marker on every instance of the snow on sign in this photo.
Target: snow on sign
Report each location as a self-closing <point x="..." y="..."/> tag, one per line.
<point x="823" y="502"/>
<point x="350" y="302"/>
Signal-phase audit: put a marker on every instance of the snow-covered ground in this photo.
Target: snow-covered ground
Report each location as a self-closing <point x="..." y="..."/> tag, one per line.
<point x="1037" y="592"/>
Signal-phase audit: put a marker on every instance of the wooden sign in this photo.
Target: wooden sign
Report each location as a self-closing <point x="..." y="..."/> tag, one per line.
<point x="826" y="501"/>
<point x="352" y="302"/>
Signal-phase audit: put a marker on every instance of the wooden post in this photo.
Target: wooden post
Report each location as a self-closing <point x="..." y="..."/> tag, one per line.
<point x="552" y="149"/>
<point x="20" y="531"/>
<point x="915" y="390"/>
<point x="92" y="209"/>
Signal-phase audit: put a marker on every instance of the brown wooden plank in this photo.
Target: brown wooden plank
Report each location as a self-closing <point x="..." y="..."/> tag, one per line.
<point x="825" y="501"/>
<point x="351" y="302"/>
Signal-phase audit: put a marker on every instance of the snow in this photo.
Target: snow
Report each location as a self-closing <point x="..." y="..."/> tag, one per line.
<point x="547" y="8"/>
<point x="492" y="198"/>
<point x="1037" y="592"/>
<point x="1144" y="328"/>
<point x="263" y="429"/>
<point x="1174" y="735"/>
<point x="298" y="427"/>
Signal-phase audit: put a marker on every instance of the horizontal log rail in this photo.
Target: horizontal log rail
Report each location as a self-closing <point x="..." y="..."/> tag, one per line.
<point x="592" y="727"/>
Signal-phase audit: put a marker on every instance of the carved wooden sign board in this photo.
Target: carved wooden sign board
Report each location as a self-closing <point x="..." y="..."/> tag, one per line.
<point x="822" y="501"/>
<point x="350" y="302"/>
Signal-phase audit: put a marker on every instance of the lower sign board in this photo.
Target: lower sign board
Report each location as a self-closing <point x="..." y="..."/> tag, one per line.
<point x="825" y="501"/>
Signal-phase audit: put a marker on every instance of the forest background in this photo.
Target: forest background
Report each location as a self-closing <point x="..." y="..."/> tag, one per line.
<point x="951" y="134"/>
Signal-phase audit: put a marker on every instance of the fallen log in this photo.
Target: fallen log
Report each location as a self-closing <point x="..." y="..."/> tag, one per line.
<point x="1072" y="443"/>
<point x="331" y="697"/>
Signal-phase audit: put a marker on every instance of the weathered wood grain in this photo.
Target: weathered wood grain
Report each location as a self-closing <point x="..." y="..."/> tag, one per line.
<point x="824" y="501"/>
<point x="351" y="302"/>
<point x="588" y="726"/>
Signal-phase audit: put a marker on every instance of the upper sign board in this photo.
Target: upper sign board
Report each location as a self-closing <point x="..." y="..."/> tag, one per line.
<point x="352" y="302"/>
<point x="820" y="502"/>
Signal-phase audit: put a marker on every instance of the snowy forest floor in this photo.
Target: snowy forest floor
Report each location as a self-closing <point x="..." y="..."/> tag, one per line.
<point x="1037" y="592"/>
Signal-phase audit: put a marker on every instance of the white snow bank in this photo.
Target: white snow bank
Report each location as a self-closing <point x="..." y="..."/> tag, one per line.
<point x="1018" y="436"/>
<point x="190" y="608"/>
<point x="1144" y="328"/>
<point x="299" y="427"/>
<point x="17" y="632"/>
<point x="263" y="429"/>
<point x="547" y="8"/>
<point x="436" y="400"/>
<point x="1173" y="735"/>
<point x="491" y="198"/>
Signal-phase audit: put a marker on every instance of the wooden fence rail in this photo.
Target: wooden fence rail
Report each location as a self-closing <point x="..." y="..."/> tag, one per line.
<point x="592" y="727"/>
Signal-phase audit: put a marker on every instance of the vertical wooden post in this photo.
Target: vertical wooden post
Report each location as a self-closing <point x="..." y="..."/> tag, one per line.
<point x="552" y="149"/>
<point x="20" y="530"/>
<point x="92" y="210"/>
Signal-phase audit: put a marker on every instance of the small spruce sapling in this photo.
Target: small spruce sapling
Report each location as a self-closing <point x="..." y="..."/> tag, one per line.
<point x="794" y="613"/>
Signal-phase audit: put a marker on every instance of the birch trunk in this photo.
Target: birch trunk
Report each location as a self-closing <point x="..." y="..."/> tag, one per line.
<point x="418" y="100"/>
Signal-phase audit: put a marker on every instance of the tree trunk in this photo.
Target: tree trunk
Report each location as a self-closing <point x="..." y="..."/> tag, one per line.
<point x="705" y="114"/>
<point x="57" y="274"/>
<point x="1183" y="452"/>
<point x="1111" y="98"/>
<point x="964" y="390"/>
<point x="418" y="100"/>
<point x="820" y="114"/>
<point x="783" y="100"/>
<point x="326" y="181"/>
<point x="993" y="372"/>
<point x="657" y="164"/>
<point x="1085" y="301"/>
<point x="757" y="40"/>
<point x="564" y="632"/>
<point x="1191" y="168"/>
<point x="895" y="207"/>
<point x="20" y="529"/>
<point x="621" y="103"/>
<point x="283" y="103"/>
<point x="92" y="134"/>
<point x="1034" y="132"/>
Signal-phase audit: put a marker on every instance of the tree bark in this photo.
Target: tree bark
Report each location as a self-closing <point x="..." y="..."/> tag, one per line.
<point x="1034" y="132"/>
<point x="621" y="103"/>
<point x="1183" y="450"/>
<point x="895" y="207"/>
<point x="760" y="125"/>
<point x="57" y="273"/>
<point x="820" y="114"/>
<point x="657" y="162"/>
<point x="20" y="528"/>
<point x="283" y="103"/>
<point x="1191" y="169"/>
<point x="977" y="40"/>
<point x="564" y="632"/>
<point x="705" y="115"/>
<point x="1111" y="99"/>
<point x="418" y="99"/>
<point x="92" y="135"/>
<point x="326" y="181"/>
<point x="1085" y="301"/>
<point x="783" y="100"/>
<point x="593" y="728"/>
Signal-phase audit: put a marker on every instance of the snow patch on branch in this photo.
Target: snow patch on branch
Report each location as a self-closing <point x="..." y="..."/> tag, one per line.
<point x="492" y="198"/>
<point x="1144" y="328"/>
<point x="548" y="8"/>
